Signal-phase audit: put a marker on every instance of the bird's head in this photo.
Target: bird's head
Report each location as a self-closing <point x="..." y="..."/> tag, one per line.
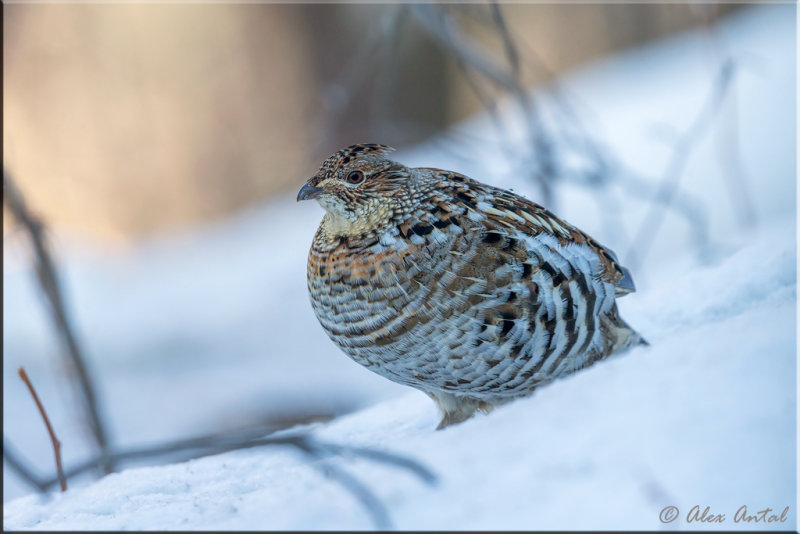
<point x="359" y="188"/>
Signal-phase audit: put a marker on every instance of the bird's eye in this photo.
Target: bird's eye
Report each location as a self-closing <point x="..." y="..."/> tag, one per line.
<point x="355" y="177"/>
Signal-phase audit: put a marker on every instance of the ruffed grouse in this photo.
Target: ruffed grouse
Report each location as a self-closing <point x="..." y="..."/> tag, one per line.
<point x="470" y="293"/>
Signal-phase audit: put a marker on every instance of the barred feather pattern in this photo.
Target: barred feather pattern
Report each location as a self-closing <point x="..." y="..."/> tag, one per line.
<point x="470" y="293"/>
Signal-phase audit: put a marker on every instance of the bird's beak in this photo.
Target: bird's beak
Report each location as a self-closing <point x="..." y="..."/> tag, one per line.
<point x="308" y="191"/>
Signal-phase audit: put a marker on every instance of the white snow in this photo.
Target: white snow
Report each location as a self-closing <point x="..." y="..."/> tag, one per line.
<point x="212" y="329"/>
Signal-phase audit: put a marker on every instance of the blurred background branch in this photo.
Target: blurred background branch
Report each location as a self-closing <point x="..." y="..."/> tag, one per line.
<point x="471" y="56"/>
<point x="48" y="280"/>
<point x="664" y="197"/>
<point x="317" y="453"/>
<point x="14" y="461"/>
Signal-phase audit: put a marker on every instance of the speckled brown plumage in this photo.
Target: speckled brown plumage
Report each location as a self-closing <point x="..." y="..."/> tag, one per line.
<point x="470" y="293"/>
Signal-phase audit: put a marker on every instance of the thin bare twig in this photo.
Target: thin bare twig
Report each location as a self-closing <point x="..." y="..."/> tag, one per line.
<point x="56" y="444"/>
<point x="49" y="284"/>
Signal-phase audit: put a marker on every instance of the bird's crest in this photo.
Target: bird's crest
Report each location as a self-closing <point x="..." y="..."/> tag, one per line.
<point x="345" y="155"/>
<point x="365" y="148"/>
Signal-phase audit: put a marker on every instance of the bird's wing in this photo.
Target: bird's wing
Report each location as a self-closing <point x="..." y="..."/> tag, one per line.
<point x="519" y="296"/>
<point x="500" y="211"/>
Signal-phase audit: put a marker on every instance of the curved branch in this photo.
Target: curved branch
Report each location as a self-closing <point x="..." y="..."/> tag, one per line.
<point x="48" y="281"/>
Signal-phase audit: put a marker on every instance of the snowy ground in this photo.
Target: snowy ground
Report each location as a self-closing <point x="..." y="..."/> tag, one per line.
<point x="193" y="333"/>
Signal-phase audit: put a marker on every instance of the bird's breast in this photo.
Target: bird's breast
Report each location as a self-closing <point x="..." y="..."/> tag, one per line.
<point x="357" y="290"/>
